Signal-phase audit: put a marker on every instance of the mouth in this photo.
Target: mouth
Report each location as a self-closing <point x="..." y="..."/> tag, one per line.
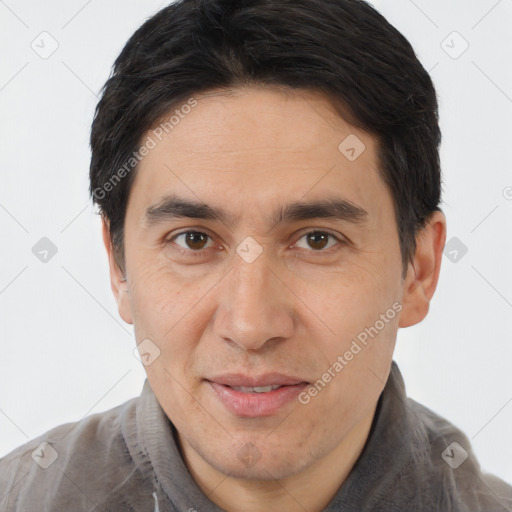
<point x="256" y="397"/>
<point x="256" y="389"/>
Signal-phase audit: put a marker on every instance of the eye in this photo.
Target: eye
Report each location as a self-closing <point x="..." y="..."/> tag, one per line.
<point x="319" y="241"/>
<point x="314" y="241"/>
<point x="192" y="240"/>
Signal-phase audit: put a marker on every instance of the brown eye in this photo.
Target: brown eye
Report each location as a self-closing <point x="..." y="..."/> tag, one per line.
<point x="317" y="240"/>
<point x="194" y="240"/>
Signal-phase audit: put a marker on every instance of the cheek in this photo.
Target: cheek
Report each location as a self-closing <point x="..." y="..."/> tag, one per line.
<point x="152" y="292"/>
<point x="345" y="318"/>
<point x="155" y="301"/>
<point x="171" y="311"/>
<point x="349" y="299"/>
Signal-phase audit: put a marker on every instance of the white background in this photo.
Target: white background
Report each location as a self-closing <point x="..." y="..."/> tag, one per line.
<point x="66" y="353"/>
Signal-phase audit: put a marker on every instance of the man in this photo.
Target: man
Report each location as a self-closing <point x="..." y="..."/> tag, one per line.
<point x="269" y="183"/>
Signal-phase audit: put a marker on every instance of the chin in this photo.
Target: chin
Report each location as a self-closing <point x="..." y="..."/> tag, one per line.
<point x="249" y="463"/>
<point x="261" y="471"/>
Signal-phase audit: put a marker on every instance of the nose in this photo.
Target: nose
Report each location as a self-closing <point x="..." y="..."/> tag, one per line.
<point x="256" y="307"/>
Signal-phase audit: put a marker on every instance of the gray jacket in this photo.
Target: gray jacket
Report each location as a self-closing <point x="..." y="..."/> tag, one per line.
<point x="126" y="459"/>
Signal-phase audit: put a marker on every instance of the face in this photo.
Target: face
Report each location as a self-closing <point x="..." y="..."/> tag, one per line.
<point x="258" y="250"/>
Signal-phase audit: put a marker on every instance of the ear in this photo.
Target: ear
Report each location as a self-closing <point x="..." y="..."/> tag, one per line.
<point x="423" y="272"/>
<point x="117" y="280"/>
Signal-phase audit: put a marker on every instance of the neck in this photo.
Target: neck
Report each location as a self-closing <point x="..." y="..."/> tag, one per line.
<point x="310" y="490"/>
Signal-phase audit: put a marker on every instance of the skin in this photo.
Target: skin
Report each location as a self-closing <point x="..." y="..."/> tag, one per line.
<point x="294" y="309"/>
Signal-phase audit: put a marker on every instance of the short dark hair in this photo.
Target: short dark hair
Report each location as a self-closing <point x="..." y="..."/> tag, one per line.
<point x="344" y="49"/>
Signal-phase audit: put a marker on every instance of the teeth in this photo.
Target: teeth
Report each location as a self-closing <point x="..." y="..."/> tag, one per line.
<point x="257" y="389"/>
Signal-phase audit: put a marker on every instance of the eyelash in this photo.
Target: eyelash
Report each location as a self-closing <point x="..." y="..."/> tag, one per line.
<point x="200" y="252"/>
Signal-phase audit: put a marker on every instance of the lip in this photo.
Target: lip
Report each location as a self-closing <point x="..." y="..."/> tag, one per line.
<point x="254" y="405"/>
<point x="267" y="379"/>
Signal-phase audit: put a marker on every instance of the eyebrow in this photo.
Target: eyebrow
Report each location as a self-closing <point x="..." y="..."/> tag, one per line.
<point x="174" y="207"/>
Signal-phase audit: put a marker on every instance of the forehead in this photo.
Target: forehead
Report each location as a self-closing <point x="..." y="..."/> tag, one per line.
<point x="258" y="147"/>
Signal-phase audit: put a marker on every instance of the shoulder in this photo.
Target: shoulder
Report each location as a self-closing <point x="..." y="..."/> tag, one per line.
<point x="69" y="464"/>
<point x="453" y="464"/>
